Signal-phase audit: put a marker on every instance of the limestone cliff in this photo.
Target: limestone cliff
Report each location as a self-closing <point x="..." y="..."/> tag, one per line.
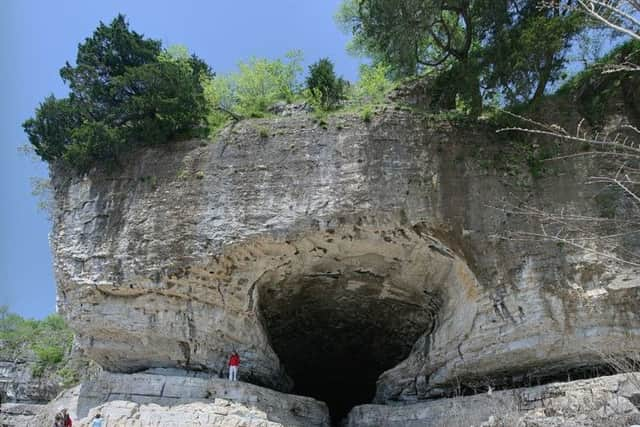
<point x="351" y="262"/>
<point x="18" y="384"/>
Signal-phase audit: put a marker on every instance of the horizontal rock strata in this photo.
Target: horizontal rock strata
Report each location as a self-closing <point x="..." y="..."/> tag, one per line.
<point x="220" y="412"/>
<point x="18" y="384"/>
<point x="166" y="397"/>
<point x="599" y="402"/>
<point x="391" y="230"/>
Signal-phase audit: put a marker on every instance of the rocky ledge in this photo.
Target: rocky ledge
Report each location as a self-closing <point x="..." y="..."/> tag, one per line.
<point x="18" y="384"/>
<point x="606" y="401"/>
<point x="609" y="401"/>
<point x="175" y="398"/>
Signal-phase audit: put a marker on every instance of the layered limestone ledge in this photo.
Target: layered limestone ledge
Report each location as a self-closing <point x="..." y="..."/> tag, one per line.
<point x="174" y="397"/>
<point x="383" y="232"/>
<point x="609" y="401"/>
<point x="600" y="402"/>
<point x="19" y="414"/>
<point x="18" y="385"/>
<point x="221" y="413"/>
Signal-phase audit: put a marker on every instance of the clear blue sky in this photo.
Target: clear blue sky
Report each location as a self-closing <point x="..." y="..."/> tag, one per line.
<point x="37" y="37"/>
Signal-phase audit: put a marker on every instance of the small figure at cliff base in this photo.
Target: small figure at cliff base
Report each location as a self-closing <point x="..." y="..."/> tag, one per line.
<point x="57" y="421"/>
<point x="234" y="362"/>
<point x="97" y="421"/>
<point x="66" y="418"/>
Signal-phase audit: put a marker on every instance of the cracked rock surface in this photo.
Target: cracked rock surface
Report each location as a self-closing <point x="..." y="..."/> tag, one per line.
<point x="173" y="398"/>
<point x="608" y="401"/>
<point x="18" y="384"/>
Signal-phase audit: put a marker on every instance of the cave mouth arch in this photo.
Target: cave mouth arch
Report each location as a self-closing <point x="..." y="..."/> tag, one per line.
<point x="336" y="332"/>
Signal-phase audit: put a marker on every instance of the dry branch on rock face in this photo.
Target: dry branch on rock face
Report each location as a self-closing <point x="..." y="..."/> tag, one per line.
<point x="619" y="15"/>
<point x="628" y="365"/>
<point x="618" y="158"/>
<point x="616" y="152"/>
<point x="567" y="229"/>
<point x="622" y="17"/>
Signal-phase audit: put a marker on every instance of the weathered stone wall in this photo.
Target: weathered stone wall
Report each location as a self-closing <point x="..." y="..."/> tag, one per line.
<point x="608" y="401"/>
<point x="164" y="263"/>
<point x="18" y="384"/>
<point x="173" y="397"/>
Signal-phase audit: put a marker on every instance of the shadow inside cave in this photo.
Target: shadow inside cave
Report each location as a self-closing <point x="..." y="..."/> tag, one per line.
<point x="335" y="339"/>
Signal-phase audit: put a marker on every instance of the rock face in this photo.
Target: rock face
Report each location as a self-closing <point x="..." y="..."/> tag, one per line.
<point x="352" y="261"/>
<point x="19" y="414"/>
<point x="221" y="413"/>
<point x="17" y="383"/>
<point x="600" y="402"/>
<point x="175" y="387"/>
<point x="178" y="398"/>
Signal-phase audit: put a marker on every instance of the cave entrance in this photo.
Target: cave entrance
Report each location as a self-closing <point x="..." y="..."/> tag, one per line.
<point x="336" y="333"/>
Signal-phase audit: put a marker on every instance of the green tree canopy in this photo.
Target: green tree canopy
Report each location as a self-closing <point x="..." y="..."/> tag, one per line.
<point x="512" y="47"/>
<point x="111" y="51"/>
<point x="373" y="83"/>
<point x="261" y="82"/>
<point x="256" y="86"/>
<point x="327" y="88"/>
<point x="50" y="339"/>
<point x="124" y="91"/>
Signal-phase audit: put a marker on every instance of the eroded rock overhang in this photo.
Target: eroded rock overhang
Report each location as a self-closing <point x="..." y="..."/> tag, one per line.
<point x="196" y="249"/>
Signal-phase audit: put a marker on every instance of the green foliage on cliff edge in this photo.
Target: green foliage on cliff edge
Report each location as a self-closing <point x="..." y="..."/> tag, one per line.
<point x="593" y="90"/>
<point x="325" y="87"/>
<point x="256" y="86"/>
<point x="49" y="339"/>
<point x="124" y="91"/>
<point x="472" y="49"/>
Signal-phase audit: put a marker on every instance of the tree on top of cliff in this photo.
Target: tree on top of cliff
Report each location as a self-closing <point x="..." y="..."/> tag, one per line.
<point x="110" y="52"/>
<point x="472" y="48"/>
<point x="125" y="91"/>
<point x="257" y="85"/>
<point x="325" y="87"/>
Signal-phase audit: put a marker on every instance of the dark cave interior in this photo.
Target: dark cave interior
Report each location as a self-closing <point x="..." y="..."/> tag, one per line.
<point x="335" y="340"/>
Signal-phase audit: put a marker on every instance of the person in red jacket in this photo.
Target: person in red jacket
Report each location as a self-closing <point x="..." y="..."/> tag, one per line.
<point x="234" y="362"/>
<point x="66" y="419"/>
